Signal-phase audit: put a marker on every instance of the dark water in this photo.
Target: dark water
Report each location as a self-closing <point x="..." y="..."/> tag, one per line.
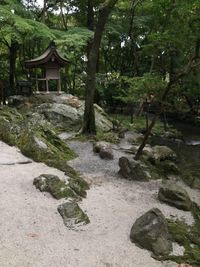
<point x="188" y="151"/>
<point x="191" y="134"/>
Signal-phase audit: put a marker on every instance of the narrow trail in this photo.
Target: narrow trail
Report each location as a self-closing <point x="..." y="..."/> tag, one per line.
<point x="32" y="233"/>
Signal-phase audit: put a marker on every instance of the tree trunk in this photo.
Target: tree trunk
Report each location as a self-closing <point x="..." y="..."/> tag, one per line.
<point x="12" y="66"/>
<point x="44" y="12"/>
<point x="148" y="132"/>
<point x="89" y="116"/>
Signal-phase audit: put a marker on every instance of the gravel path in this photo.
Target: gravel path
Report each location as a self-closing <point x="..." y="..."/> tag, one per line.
<point x="32" y="233"/>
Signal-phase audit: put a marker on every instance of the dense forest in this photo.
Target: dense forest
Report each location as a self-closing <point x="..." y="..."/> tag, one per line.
<point x="146" y="47"/>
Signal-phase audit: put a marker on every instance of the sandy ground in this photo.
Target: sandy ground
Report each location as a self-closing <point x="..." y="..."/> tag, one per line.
<point x="32" y="232"/>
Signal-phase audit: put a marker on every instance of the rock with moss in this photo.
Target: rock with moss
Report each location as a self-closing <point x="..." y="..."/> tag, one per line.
<point x="150" y="231"/>
<point x="160" y="153"/>
<point x="72" y="215"/>
<point x="174" y="195"/>
<point x="36" y="138"/>
<point x="79" y="186"/>
<point x="11" y="123"/>
<point x="52" y="184"/>
<point x="187" y="236"/>
<point x="133" y="170"/>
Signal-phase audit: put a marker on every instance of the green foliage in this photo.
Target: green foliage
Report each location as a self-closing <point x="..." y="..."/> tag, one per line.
<point x="143" y="44"/>
<point x="139" y="123"/>
<point x="74" y="40"/>
<point x="136" y="88"/>
<point x="72" y="44"/>
<point x="18" y="28"/>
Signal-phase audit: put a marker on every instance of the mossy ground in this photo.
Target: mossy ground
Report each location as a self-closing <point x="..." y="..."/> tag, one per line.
<point x="188" y="237"/>
<point x="109" y="137"/>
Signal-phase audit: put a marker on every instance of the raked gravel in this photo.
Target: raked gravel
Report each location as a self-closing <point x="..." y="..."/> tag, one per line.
<point x="32" y="233"/>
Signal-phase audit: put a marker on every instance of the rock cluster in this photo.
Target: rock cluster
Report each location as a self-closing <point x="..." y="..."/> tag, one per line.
<point x="70" y="211"/>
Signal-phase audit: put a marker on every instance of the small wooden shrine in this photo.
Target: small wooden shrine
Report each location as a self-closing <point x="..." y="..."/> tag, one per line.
<point x="50" y="63"/>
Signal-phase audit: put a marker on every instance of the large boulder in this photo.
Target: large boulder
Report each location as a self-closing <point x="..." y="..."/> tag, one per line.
<point x="66" y="112"/>
<point x="72" y="215"/>
<point x="174" y="195"/>
<point x="52" y="184"/>
<point x="150" y="231"/>
<point x="62" y="115"/>
<point x="133" y="170"/>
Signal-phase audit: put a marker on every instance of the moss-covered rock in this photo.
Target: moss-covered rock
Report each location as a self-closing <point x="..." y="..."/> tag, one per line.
<point x="72" y="214"/>
<point x="52" y="184"/>
<point x="43" y="145"/>
<point x="11" y="122"/>
<point x="37" y="139"/>
<point x="79" y="186"/>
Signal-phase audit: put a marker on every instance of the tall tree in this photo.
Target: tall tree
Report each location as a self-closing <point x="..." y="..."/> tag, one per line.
<point x="89" y="115"/>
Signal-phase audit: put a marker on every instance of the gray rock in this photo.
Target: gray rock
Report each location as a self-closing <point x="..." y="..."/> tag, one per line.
<point x="133" y="170"/>
<point x="150" y="231"/>
<point x="174" y="195"/>
<point x="72" y="215"/>
<point x="61" y="115"/>
<point x="67" y="111"/>
<point x="162" y="153"/>
<point x="52" y="184"/>
<point x="104" y="149"/>
<point x="158" y="154"/>
<point x="102" y="120"/>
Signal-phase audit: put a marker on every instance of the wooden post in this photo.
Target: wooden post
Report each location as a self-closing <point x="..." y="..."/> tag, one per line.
<point x="59" y="85"/>
<point x="36" y="80"/>
<point x="47" y="85"/>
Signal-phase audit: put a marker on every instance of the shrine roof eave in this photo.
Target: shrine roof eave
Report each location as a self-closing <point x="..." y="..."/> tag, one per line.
<point x="45" y="58"/>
